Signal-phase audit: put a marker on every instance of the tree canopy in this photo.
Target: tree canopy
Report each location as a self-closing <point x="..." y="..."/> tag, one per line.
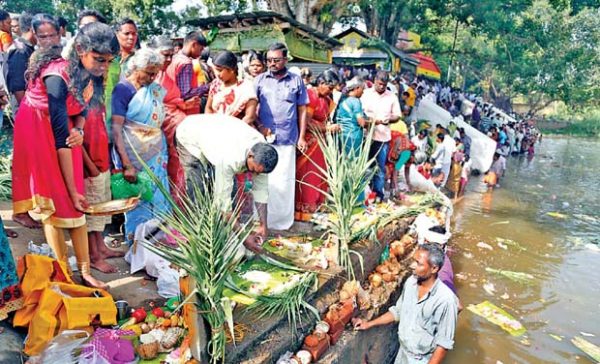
<point x="544" y="50"/>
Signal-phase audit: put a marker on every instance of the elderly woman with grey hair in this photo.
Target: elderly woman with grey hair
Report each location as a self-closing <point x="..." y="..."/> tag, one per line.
<point x="350" y="117"/>
<point x="138" y="114"/>
<point x="175" y="112"/>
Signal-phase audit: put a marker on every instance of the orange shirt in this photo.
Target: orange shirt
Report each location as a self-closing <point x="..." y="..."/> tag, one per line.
<point x="5" y="40"/>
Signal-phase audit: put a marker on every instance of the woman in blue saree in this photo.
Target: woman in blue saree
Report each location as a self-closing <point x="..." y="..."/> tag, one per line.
<point x="351" y="118"/>
<point x="137" y="115"/>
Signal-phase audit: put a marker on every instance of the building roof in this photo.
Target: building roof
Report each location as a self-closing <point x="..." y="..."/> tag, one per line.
<point x="397" y="52"/>
<point x="246" y="21"/>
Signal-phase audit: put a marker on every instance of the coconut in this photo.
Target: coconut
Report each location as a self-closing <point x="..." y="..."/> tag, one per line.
<point x="344" y="295"/>
<point x="382" y="269"/>
<point x="375" y="279"/>
<point x="148" y="351"/>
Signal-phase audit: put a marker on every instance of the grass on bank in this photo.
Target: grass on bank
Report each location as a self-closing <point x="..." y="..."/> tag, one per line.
<point x="587" y="125"/>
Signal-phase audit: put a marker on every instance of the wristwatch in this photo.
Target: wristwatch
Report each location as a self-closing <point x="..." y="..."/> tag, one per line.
<point x="80" y="130"/>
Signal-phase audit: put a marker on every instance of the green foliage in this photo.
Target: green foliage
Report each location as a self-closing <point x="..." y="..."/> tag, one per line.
<point x="347" y="174"/>
<point x="544" y="50"/>
<point x="209" y="240"/>
<point x="586" y="124"/>
<point x="153" y="17"/>
<point x="5" y="179"/>
<point x="33" y="6"/>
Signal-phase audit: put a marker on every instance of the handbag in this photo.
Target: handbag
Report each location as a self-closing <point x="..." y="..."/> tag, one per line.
<point x="123" y="189"/>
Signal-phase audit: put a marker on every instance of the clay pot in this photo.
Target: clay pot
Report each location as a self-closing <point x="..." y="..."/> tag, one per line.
<point x="311" y="341"/>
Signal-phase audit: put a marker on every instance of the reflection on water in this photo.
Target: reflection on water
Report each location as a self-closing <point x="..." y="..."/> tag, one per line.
<point x="562" y="252"/>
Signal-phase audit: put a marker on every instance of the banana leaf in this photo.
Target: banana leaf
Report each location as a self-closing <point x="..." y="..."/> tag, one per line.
<point x="498" y="316"/>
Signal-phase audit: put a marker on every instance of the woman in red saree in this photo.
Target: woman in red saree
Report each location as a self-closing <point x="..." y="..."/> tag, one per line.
<point x="230" y="96"/>
<point x="47" y="162"/>
<point x="309" y="180"/>
<point x="175" y="111"/>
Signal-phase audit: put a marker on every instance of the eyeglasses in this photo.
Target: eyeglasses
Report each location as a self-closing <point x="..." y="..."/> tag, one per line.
<point x="275" y="60"/>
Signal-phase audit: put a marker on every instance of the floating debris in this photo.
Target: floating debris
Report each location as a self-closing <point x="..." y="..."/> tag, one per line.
<point x="586" y="334"/>
<point x="557" y="215"/>
<point x="483" y="245"/>
<point x="505" y="296"/>
<point x="489" y="288"/>
<point x="587" y="347"/>
<point x="503" y="246"/>
<point x="511" y="243"/>
<point x="468" y="255"/>
<point x="587" y="218"/>
<point x="592" y="247"/>
<point x="519" y="277"/>
<point x="498" y="316"/>
<point x="556" y="337"/>
<point x="505" y="222"/>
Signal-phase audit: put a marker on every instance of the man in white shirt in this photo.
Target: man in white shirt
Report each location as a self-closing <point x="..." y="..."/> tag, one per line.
<point x="226" y="146"/>
<point x="443" y="155"/>
<point x="382" y="106"/>
<point x="421" y="145"/>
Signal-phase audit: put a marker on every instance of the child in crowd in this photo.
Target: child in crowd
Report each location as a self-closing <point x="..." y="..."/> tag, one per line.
<point x="97" y="186"/>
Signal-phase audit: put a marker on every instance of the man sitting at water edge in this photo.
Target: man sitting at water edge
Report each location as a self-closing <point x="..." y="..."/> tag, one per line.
<point x="426" y="311"/>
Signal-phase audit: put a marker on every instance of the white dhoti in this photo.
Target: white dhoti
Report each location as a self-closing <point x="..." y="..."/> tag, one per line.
<point x="280" y="207"/>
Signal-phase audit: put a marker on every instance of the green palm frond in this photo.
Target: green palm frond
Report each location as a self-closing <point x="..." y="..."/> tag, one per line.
<point x="209" y="242"/>
<point x="347" y="174"/>
<point x="5" y="179"/>
<point x="286" y="304"/>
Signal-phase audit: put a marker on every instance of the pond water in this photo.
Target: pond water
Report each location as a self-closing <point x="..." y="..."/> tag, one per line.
<point x="562" y="253"/>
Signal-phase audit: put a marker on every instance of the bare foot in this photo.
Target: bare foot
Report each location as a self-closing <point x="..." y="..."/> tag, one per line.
<point x="11" y="233"/>
<point x="106" y="253"/>
<point x="103" y="266"/>
<point x="26" y="220"/>
<point x="90" y="281"/>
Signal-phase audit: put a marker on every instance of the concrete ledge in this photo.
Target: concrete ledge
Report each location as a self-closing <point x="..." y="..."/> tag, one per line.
<point x="271" y="337"/>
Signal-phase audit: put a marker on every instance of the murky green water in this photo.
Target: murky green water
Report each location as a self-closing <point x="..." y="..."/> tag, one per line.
<point x="562" y="253"/>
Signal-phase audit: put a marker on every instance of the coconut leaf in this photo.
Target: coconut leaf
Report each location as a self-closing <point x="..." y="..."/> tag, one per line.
<point x="288" y="303"/>
<point x="347" y="174"/>
<point x="209" y="241"/>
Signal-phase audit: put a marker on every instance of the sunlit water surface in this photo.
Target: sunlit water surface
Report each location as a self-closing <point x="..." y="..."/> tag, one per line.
<point x="563" y="253"/>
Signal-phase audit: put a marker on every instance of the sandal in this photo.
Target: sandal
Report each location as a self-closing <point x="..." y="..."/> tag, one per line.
<point x="113" y="243"/>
